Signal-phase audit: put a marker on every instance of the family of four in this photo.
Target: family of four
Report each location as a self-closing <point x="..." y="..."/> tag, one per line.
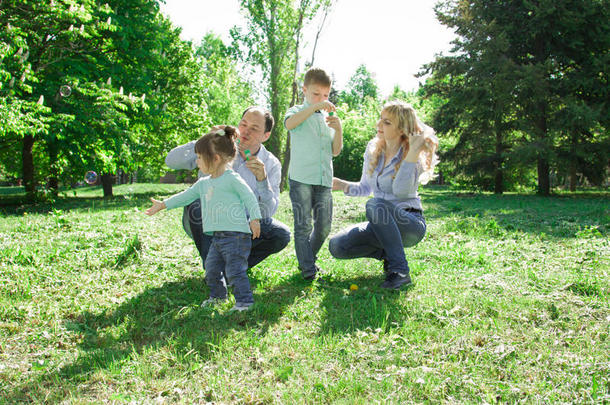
<point x="229" y="210"/>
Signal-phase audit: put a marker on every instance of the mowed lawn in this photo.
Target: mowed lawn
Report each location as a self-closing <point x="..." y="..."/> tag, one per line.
<point x="510" y="303"/>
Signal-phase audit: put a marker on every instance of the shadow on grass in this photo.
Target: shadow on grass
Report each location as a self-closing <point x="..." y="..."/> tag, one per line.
<point x="79" y="203"/>
<point x="563" y="216"/>
<point x="169" y="315"/>
<point x="370" y="306"/>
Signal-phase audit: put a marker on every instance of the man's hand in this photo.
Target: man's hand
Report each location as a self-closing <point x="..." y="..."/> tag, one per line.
<point x="255" y="227"/>
<point x="257" y="167"/>
<point x="157" y="206"/>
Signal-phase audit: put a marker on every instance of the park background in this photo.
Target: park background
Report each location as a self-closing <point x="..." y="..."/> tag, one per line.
<point x="100" y="304"/>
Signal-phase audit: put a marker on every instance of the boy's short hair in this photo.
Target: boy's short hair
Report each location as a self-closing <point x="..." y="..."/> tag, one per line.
<point x="317" y="76"/>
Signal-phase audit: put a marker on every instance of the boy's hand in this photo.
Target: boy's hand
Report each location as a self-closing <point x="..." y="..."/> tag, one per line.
<point x="334" y="122"/>
<point x="325" y="105"/>
<point x="157" y="206"/>
<point x="255" y="227"/>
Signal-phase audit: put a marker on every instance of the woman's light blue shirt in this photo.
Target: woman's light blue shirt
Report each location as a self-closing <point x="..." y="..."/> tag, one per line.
<point x="384" y="182"/>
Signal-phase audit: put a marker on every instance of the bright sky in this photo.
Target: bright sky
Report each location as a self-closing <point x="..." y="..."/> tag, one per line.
<point x="393" y="38"/>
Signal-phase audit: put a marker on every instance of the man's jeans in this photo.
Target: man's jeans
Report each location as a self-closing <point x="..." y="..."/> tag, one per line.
<point x="228" y="256"/>
<point x="384" y="236"/>
<point x="273" y="238"/>
<point x="306" y="200"/>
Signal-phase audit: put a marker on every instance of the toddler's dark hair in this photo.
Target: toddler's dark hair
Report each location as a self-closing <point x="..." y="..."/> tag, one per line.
<point x="317" y="76"/>
<point x="214" y="143"/>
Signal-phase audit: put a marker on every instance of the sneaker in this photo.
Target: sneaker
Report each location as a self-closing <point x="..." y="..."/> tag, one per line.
<point x="318" y="276"/>
<point x="312" y="276"/>
<point x="394" y="281"/>
<point x="240" y="307"/>
<point x="212" y="301"/>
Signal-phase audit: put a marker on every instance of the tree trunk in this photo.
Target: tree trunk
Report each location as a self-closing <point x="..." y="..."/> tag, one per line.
<point x="53" y="183"/>
<point x="107" y="180"/>
<point x="544" y="178"/>
<point x="499" y="175"/>
<point x="572" y="176"/>
<point x="27" y="160"/>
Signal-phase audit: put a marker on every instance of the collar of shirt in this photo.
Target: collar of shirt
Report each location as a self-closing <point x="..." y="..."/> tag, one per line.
<point x="380" y="169"/>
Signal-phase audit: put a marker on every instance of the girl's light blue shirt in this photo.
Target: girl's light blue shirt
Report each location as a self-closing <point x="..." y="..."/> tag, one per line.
<point x="384" y="182"/>
<point x="224" y="201"/>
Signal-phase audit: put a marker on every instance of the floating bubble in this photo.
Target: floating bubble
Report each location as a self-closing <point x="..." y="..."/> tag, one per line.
<point x="65" y="90"/>
<point x="90" y="177"/>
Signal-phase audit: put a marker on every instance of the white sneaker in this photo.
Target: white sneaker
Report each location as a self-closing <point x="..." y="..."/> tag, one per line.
<point x="241" y="307"/>
<point x="212" y="301"/>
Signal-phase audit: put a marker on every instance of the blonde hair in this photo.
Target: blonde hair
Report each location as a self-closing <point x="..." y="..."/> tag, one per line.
<point x="406" y="119"/>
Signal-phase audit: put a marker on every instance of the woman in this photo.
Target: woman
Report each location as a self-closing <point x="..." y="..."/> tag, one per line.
<point x="401" y="156"/>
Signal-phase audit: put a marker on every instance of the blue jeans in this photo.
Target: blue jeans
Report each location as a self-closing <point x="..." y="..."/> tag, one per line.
<point x="308" y="200"/>
<point x="228" y="256"/>
<point x="273" y="238"/>
<point x="389" y="229"/>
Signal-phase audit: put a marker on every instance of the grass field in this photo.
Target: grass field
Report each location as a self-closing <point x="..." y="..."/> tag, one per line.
<point x="510" y="303"/>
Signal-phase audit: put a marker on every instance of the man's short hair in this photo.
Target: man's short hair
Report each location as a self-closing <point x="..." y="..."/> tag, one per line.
<point x="317" y="76"/>
<point x="269" y="121"/>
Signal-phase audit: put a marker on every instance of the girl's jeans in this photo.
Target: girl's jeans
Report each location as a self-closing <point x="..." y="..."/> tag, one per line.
<point x="389" y="229"/>
<point x="228" y="255"/>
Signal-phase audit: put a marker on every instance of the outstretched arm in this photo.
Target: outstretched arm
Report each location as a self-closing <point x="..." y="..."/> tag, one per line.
<point x="156" y="207"/>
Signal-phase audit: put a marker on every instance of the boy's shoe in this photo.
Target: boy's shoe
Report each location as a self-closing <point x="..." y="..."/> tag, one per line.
<point x="212" y="301"/>
<point x="394" y="281"/>
<point x="316" y="275"/>
<point x="240" y="307"/>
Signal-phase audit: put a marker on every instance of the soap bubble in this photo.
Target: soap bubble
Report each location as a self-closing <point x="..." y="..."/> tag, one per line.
<point x="91" y="177"/>
<point x="65" y="90"/>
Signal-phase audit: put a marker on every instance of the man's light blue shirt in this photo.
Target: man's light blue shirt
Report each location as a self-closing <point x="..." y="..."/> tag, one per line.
<point x="311" y="155"/>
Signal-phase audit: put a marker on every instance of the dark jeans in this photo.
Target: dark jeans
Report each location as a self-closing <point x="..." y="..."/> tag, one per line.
<point x="310" y="201"/>
<point x="228" y="256"/>
<point x="273" y="238"/>
<point x="389" y="229"/>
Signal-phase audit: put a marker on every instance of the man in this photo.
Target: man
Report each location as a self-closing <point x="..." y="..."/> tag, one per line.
<point x="261" y="171"/>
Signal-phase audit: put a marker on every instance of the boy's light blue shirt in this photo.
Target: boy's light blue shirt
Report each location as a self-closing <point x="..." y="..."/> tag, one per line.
<point x="398" y="187"/>
<point x="311" y="155"/>
<point x="224" y="201"/>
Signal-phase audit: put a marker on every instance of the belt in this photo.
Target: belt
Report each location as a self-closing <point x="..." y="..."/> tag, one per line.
<point x="414" y="210"/>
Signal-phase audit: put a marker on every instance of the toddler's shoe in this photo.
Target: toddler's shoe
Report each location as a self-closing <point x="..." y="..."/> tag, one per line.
<point x="240" y="306"/>
<point x="394" y="281"/>
<point x="212" y="301"/>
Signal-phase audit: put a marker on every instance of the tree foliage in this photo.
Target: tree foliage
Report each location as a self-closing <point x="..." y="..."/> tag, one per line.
<point x="515" y="73"/>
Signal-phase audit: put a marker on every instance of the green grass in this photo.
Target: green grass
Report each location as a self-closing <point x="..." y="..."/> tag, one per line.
<point x="100" y="303"/>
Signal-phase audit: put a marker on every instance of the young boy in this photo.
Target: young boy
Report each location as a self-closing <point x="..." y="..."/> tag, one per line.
<point x="314" y="139"/>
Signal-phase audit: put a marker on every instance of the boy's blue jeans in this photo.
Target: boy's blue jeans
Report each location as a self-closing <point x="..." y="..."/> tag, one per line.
<point x="389" y="229"/>
<point x="310" y="201"/>
<point x="273" y="238"/>
<point x="228" y="256"/>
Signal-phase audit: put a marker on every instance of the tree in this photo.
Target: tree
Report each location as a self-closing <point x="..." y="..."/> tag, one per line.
<point x="512" y="70"/>
<point x="360" y="87"/>
<point x="271" y="43"/>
